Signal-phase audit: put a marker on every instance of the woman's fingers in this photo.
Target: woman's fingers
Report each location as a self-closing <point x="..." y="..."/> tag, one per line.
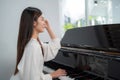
<point x="58" y="73"/>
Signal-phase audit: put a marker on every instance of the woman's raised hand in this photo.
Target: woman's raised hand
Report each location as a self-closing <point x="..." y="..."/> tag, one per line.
<point x="46" y="24"/>
<point x="49" y="30"/>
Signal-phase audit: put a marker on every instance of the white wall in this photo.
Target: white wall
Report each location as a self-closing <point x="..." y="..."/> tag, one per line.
<point x="10" y="11"/>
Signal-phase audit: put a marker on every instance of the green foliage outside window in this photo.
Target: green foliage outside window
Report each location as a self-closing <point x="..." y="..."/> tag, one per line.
<point x="68" y="26"/>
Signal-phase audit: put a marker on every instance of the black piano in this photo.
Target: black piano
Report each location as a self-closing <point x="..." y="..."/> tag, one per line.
<point x="90" y="53"/>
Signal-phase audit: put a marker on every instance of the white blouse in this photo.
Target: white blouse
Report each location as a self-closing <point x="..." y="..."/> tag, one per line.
<point x="32" y="61"/>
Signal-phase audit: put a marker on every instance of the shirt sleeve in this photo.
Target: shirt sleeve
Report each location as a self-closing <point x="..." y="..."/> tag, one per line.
<point x="51" y="49"/>
<point x="33" y="64"/>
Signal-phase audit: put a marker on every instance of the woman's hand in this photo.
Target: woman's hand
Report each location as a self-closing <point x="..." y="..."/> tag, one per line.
<point x="47" y="24"/>
<point x="58" y="73"/>
<point x="49" y="30"/>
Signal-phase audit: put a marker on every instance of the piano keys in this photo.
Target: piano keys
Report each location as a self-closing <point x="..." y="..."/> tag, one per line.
<point x="72" y="75"/>
<point x="50" y="70"/>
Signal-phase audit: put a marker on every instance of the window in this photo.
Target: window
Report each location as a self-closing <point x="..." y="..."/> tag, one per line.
<point x="81" y="13"/>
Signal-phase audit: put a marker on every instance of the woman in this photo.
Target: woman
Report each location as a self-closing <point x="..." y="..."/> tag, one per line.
<point x="31" y="53"/>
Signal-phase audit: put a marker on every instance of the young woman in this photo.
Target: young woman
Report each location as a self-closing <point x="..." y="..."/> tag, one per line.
<point x="31" y="52"/>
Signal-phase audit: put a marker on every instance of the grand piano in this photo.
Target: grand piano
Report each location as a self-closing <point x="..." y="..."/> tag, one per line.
<point x="89" y="53"/>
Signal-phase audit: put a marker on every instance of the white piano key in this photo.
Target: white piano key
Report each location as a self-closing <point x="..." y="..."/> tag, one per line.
<point x="65" y="78"/>
<point x="47" y="69"/>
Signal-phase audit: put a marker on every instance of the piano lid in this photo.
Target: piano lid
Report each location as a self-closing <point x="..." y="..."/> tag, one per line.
<point x="99" y="37"/>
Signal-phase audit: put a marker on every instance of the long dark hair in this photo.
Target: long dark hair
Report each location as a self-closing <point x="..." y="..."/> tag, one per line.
<point x="29" y="15"/>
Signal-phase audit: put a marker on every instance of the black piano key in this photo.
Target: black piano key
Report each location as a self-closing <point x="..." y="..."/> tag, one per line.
<point x="56" y="79"/>
<point x="74" y="75"/>
<point x="99" y="78"/>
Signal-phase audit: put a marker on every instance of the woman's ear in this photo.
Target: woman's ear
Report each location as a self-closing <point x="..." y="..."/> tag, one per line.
<point x="34" y="23"/>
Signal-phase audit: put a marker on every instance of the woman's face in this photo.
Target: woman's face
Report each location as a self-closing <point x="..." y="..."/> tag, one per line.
<point x="39" y="25"/>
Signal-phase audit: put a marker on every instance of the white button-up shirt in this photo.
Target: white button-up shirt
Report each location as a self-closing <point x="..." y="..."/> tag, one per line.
<point x="31" y="65"/>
